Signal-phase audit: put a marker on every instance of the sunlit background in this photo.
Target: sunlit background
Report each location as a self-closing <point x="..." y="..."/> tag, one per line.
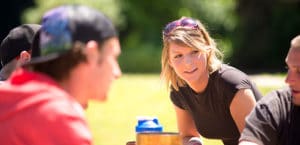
<point x="253" y="34"/>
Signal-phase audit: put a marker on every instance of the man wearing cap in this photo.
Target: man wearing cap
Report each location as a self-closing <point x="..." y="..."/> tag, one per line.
<point x="42" y="103"/>
<point x="276" y="118"/>
<point x="15" y="48"/>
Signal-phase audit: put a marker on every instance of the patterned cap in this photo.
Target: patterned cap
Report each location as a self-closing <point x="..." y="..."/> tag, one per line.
<point x="64" y="25"/>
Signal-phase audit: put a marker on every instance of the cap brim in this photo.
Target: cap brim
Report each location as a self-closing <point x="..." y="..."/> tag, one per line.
<point x="41" y="59"/>
<point x="36" y="52"/>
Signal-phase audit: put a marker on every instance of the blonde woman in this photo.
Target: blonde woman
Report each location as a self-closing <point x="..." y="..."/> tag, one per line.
<point x="211" y="99"/>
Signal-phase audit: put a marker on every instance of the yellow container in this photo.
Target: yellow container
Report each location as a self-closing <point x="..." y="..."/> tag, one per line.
<point x="158" y="138"/>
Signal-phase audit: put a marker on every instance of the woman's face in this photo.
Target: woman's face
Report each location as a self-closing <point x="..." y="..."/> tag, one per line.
<point x="188" y="63"/>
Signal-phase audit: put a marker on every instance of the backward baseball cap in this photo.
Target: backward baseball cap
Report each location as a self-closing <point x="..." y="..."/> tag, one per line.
<point x="64" y="25"/>
<point x="18" y="39"/>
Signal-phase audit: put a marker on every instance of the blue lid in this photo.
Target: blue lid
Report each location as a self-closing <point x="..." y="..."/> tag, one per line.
<point x="148" y="124"/>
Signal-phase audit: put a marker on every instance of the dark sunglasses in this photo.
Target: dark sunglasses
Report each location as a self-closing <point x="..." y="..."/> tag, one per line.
<point x="185" y="22"/>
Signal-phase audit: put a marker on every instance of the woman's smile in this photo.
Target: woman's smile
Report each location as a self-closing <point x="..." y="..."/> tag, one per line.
<point x="191" y="71"/>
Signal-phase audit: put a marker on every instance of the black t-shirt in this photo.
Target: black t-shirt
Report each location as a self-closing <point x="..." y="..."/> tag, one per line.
<point x="211" y="108"/>
<point x="274" y="121"/>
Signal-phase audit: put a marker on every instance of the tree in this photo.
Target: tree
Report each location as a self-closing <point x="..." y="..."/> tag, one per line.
<point x="109" y="7"/>
<point x="264" y="32"/>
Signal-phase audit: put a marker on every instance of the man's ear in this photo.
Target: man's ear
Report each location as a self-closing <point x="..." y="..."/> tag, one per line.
<point x="91" y="50"/>
<point x="25" y="56"/>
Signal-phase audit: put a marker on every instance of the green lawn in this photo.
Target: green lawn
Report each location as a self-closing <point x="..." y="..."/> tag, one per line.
<point x="113" y="122"/>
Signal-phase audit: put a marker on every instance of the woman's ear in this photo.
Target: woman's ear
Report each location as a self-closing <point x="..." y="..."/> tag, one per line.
<point x="25" y="56"/>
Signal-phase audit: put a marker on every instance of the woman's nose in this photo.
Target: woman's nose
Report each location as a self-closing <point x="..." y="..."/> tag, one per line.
<point x="188" y="60"/>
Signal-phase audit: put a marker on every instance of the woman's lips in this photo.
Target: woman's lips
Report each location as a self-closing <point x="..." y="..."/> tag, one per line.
<point x="192" y="71"/>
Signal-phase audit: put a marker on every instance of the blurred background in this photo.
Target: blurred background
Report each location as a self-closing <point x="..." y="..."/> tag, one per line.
<point x="253" y="34"/>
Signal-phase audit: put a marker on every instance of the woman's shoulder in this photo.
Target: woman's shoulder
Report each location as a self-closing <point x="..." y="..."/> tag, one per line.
<point x="226" y="69"/>
<point x="231" y="74"/>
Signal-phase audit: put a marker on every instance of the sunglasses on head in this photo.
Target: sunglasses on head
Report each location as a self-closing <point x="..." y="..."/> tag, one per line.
<point x="184" y="22"/>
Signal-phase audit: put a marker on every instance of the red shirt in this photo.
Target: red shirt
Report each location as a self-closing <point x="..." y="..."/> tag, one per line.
<point x="34" y="110"/>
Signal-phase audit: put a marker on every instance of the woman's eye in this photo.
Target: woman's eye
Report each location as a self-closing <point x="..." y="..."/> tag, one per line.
<point x="195" y="51"/>
<point x="177" y="56"/>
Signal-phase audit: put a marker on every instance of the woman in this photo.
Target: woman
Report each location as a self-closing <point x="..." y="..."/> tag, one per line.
<point x="210" y="98"/>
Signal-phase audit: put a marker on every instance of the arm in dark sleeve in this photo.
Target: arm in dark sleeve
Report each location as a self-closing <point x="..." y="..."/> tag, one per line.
<point x="176" y="98"/>
<point x="262" y="123"/>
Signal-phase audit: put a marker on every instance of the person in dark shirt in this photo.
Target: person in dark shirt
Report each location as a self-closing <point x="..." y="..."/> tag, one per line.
<point x="276" y="118"/>
<point x="211" y="98"/>
<point x="15" y="48"/>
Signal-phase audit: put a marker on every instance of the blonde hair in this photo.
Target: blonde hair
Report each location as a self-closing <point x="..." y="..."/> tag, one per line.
<point x="197" y="38"/>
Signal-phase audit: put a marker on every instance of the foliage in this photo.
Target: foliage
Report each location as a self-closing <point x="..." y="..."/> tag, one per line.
<point x="243" y="29"/>
<point x="220" y="20"/>
<point x="140" y="24"/>
<point x="109" y="7"/>
<point x="263" y="33"/>
<point x="140" y="60"/>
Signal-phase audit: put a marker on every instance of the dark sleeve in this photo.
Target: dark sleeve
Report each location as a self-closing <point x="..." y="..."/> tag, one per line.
<point x="176" y="98"/>
<point x="239" y="80"/>
<point x="263" y="122"/>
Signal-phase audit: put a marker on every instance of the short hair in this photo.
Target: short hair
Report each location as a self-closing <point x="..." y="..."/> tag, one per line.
<point x="295" y="43"/>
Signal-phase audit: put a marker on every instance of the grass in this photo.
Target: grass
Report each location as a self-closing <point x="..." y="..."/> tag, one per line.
<point x="113" y="122"/>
